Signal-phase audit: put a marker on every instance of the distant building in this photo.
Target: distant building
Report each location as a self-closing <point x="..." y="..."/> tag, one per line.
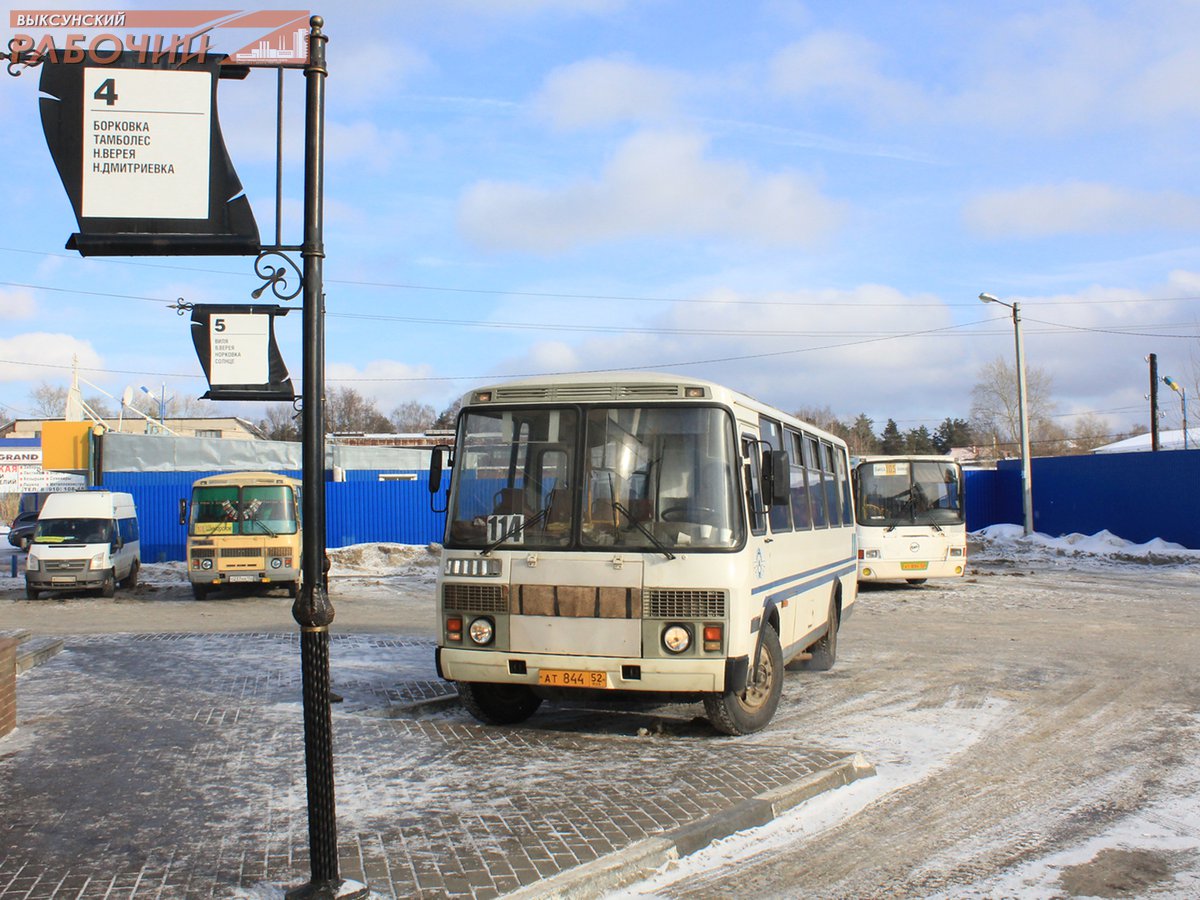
<point x="1167" y="440"/>
<point x="431" y="438"/>
<point x="223" y="427"/>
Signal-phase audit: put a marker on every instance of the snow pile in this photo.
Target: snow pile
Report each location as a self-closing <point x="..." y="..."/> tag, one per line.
<point x="1009" y="543"/>
<point x="420" y="562"/>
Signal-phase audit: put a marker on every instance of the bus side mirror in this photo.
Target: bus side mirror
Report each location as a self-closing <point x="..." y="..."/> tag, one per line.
<point x="435" y="468"/>
<point x="435" y="473"/>
<point x="182" y="512"/>
<point x="776" y="475"/>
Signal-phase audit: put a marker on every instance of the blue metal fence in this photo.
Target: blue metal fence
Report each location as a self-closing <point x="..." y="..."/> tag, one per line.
<point x="1136" y="496"/>
<point x="358" y="511"/>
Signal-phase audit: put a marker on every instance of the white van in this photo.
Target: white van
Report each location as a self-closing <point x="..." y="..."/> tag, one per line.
<point x="84" y="540"/>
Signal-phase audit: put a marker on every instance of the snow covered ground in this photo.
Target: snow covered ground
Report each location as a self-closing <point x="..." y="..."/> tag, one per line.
<point x="908" y="745"/>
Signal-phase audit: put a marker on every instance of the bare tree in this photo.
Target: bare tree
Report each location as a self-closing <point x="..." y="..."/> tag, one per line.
<point x="1089" y="433"/>
<point x="413" y="416"/>
<point x="995" y="413"/>
<point x="346" y="410"/>
<point x="46" y="400"/>
<point x="448" y="416"/>
<point x="281" y="423"/>
<point x="50" y="402"/>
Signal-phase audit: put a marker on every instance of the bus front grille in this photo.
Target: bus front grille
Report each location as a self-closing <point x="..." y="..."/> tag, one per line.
<point x="235" y="552"/>
<point x="684" y="603"/>
<point x="476" y="598"/>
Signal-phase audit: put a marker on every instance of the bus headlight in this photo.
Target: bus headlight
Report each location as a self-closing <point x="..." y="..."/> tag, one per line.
<point x="958" y="551"/>
<point x="98" y="562"/>
<point x="276" y="562"/>
<point x="676" y="638"/>
<point x="482" y="631"/>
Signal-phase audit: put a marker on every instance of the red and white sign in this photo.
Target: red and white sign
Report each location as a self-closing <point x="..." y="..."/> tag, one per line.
<point x="275" y="37"/>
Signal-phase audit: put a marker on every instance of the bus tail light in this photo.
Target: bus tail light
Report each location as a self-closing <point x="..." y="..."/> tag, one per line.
<point x="454" y="627"/>
<point x="712" y="637"/>
<point x="958" y="551"/>
<point x="868" y="554"/>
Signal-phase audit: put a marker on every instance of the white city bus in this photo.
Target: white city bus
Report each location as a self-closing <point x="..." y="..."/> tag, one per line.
<point x="911" y="519"/>
<point x="642" y="533"/>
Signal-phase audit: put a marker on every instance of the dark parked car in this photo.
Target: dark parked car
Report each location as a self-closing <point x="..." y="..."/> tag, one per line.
<point x="21" y="532"/>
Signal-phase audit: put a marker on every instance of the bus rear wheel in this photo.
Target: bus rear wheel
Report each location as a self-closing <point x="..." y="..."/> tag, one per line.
<point x="498" y="704"/>
<point x="751" y="709"/>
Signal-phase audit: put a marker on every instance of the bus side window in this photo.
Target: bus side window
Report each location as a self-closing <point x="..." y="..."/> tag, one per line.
<point x="758" y="516"/>
<point x="812" y="464"/>
<point x="829" y="481"/>
<point x="801" y="511"/>
<point x="772" y="435"/>
<point x="839" y="455"/>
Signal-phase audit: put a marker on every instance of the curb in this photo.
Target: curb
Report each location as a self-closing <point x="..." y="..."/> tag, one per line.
<point x="599" y="876"/>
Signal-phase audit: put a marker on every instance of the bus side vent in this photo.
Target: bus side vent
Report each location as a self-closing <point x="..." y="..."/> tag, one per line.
<point x="684" y="603"/>
<point x="477" y="598"/>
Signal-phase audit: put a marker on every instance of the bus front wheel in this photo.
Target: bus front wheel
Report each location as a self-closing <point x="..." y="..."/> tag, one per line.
<point x="498" y="704"/>
<point x="752" y="708"/>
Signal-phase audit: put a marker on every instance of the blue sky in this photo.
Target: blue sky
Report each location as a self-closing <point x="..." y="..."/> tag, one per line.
<point x="800" y="200"/>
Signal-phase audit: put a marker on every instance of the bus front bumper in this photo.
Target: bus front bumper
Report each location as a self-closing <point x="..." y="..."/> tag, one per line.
<point x="688" y="675"/>
<point x="899" y="570"/>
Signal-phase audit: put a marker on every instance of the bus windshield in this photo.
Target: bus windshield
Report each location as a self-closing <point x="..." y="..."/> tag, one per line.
<point x="253" y="509"/>
<point x="652" y="479"/>
<point x="909" y="492"/>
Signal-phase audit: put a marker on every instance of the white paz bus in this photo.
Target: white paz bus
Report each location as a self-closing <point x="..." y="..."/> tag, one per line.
<point x="911" y="518"/>
<point x="641" y="533"/>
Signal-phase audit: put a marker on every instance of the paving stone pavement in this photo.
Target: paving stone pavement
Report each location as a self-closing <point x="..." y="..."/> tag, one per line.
<point x="172" y="765"/>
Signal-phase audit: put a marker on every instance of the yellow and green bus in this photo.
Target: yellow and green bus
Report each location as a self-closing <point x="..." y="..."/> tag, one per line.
<point x="243" y="530"/>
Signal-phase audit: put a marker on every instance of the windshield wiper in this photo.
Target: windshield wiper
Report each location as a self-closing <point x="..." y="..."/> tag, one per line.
<point x="515" y="526"/>
<point x="252" y="514"/>
<point x="658" y="545"/>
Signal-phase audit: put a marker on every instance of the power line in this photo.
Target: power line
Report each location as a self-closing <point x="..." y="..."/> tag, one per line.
<point x="566" y="295"/>
<point x="1051" y="327"/>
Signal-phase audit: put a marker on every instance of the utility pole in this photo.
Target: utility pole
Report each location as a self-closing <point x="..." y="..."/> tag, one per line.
<point x="1153" y="360"/>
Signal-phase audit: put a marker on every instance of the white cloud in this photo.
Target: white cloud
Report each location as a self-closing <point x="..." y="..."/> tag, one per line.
<point x="1078" y="207"/>
<point x="838" y="67"/>
<point x="43" y="356"/>
<point x="1057" y="70"/>
<point x="598" y="92"/>
<point x="388" y="382"/>
<point x="368" y="69"/>
<point x="16" y="303"/>
<point x="364" y="141"/>
<point x="657" y="185"/>
<point x="801" y="348"/>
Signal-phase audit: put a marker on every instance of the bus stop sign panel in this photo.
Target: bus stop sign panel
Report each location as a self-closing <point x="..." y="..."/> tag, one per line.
<point x="139" y="150"/>
<point x="235" y="344"/>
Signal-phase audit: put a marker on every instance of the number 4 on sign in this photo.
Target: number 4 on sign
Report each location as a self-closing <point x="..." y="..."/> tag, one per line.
<point x="107" y="91"/>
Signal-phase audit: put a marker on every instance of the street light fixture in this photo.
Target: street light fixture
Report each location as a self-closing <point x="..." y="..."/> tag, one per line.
<point x="1022" y="412"/>
<point x="1182" y="392"/>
